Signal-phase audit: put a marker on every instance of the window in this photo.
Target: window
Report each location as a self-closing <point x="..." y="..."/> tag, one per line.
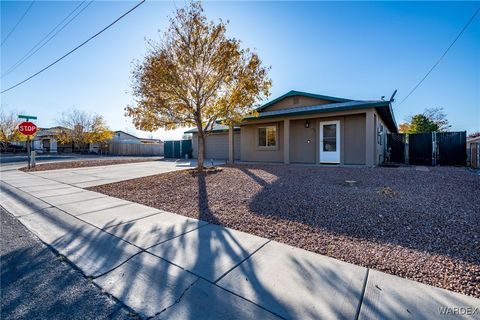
<point x="267" y="136"/>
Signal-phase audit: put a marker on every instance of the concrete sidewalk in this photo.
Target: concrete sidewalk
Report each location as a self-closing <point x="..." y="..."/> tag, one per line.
<point x="164" y="265"/>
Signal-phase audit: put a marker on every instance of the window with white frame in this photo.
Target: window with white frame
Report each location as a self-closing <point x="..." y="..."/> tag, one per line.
<point x="267" y="136"/>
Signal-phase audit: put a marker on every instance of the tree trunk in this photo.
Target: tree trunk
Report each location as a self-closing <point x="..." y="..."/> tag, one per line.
<point x="201" y="152"/>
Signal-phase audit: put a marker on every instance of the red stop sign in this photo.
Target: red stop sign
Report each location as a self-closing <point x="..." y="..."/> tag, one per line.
<point x="27" y="128"/>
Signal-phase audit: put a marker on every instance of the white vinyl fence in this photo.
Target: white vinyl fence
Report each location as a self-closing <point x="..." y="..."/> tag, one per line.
<point x="135" y="149"/>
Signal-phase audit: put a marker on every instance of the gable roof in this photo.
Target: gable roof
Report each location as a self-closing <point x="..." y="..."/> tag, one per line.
<point x="384" y="108"/>
<point x="43" y="132"/>
<point x="126" y="133"/>
<point x="474" y="139"/>
<point x="293" y="93"/>
<point x="141" y="139"/>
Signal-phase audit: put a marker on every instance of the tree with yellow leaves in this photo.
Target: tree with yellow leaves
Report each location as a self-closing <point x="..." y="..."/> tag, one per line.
<point x="9" y="129"/>
<point x="404" y="127"/>
<point x="82" y="128"/>
<point x="196" y="76"/>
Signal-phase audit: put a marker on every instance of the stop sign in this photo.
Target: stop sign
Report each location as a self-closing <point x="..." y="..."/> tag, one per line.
<point x="27" y="128"/>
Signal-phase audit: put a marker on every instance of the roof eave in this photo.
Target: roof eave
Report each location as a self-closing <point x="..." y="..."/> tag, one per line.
<point x="370" y="105"/>
<point x="214" y="130"/>
<point x="381" y="104"/>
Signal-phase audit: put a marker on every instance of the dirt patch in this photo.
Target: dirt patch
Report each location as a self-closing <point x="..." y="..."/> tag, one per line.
<point x="387" y="192"/>
<point x="418" y="225"/>
<point x="81" y="164"/>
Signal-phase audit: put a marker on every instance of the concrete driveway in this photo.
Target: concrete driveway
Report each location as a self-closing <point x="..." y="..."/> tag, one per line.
<point x="163" y="265"/>
<point x="94" y="176"/>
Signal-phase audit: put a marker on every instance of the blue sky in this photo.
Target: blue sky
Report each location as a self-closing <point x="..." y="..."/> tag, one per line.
<point x="359" y="50"/>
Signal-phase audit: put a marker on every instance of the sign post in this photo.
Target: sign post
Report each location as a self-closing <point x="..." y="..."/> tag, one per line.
<point x="28" y="128"/>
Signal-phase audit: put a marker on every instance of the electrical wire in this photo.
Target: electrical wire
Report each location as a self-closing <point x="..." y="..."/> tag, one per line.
<point x="440" y="59"/>
<point x="18" y="22"/>
<point x="39" y="45"/>
<point x="74" y="49"/>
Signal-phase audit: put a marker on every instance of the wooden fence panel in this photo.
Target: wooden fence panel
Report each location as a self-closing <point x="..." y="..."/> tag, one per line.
<point x="475" y="155"/>
<point x="135" y="149"/>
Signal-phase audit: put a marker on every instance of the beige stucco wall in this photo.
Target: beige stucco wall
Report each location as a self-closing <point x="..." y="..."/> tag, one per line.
<point x="301" y="150"/>
<point x="289" y="103"/>
<point x="354" y="139"/>
<point x="248" y="144"/>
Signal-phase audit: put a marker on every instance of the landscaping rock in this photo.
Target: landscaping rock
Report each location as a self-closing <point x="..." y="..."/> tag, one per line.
<point x="423" y="227"/>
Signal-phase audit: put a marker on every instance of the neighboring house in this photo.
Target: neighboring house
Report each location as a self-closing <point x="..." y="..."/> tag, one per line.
<point x="473" y="151"/>
<point x="470" y="141"/>
<point x="301" y="127"/>
<point x="45" y="140"/>
<point x="124" y="138"/>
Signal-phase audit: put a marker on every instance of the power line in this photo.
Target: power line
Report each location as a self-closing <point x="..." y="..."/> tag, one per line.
<point x="34" y="49"/>
<point x="18" y="22"/>
<point x="75" y="49"/>
<point x="443" y="55"/>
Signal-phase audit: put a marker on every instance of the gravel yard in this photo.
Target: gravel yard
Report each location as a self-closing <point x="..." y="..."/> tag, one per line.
<point x="414" y="224"/>
<point x="82" y="163"/>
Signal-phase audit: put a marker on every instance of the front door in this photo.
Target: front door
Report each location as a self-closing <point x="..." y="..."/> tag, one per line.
<point x="330" y="141"/>
<point x="46" y="145"/>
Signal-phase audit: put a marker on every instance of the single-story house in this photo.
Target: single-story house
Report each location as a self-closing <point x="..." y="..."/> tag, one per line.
<point x="124" y="138"/>
<point x="46" y="141"/>
<point x="471" y="141"/>
<point x="300" y="127"/>
<point x="473" y="151"/>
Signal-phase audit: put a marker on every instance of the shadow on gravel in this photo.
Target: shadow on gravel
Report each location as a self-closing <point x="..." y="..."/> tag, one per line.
<point x="219" y="302"/>
<point x="435" y="212"/>
<point x="414" y="224"/>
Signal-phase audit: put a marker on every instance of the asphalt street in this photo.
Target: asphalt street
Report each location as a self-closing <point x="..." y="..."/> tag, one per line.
<point x="9" y="158"/>
<point x="38" y="284"/>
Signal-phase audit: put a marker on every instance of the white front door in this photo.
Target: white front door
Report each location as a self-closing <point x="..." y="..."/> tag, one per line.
<point x="330" y="141"/>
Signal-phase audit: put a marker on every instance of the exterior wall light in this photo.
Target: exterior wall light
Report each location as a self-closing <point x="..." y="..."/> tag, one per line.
<point x="307" y="124"/>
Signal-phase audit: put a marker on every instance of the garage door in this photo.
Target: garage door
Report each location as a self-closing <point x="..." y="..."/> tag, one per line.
<point x="216" y="146"/>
